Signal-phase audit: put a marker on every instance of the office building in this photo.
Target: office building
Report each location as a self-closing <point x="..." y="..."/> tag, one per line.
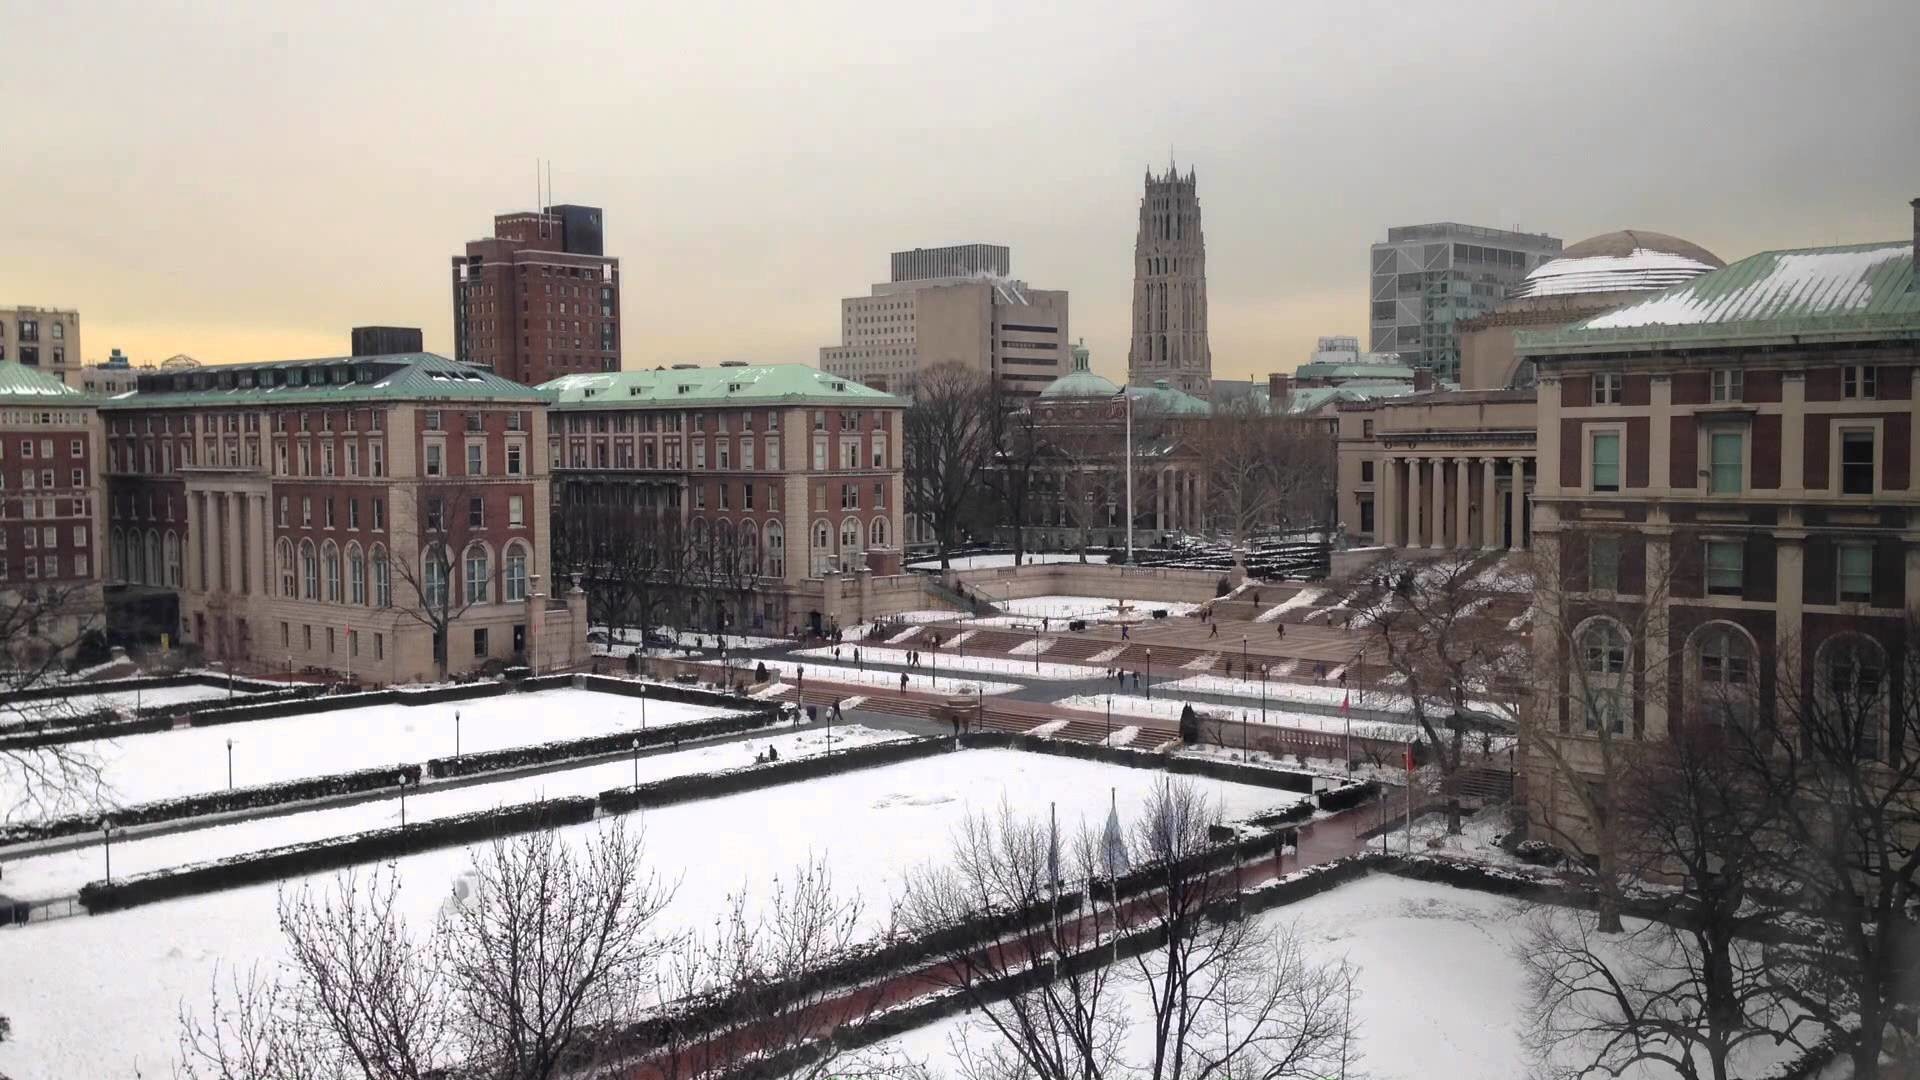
<point x="539" y="298"/>
<point x="1427" y="278"/>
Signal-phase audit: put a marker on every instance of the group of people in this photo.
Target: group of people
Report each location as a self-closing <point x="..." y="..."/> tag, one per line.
<point x="1119" y="676"/>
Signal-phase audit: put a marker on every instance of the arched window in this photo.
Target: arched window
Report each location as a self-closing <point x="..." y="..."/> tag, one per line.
<point x="1851" y="693"/>
<point x="284" y="552"/>
<point x="382" y="578"/>
<point x="849" y="536"/>
<point x="1725" y="666"/>
<point x="516" y="576"/>
<point x="171" y="546"/>
<point x="330" y="569"/>
<point x="477" y="573"/>
<point x="750" y="548"/>
<point x="151" y="574"/>
<point x="821" y="556"/>
<point x="776" y="550"/>
<point x="119" y="555"/>
<point x="356" y="575"/>
<point x="434" y="564"/>
<point x="309" y="571"/>
<point x="877" y="533"/>
<point x="1600" y="694"/>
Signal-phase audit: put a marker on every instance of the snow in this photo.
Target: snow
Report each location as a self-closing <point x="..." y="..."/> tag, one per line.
<point x="918" y="679"/>
<point x="1105" y="655"/>
<point x="1046" y="671"/>
<point x="121" y="700"/>
<point x="961" y="638"/>
<point x="1202" y="662"/>
<point x="1123" y="737"/>
<point x="62" y="873"/>
<point x="1130" y="704"/>
<point x="1034" y="647"/>
<point x="185" y="761"/>
<point x="1005" y="559"/>
<point x="1642" y="269"/>
<point x="1521" y="620"/>
<point x="1809" y="283"/>
<point x="1030" y="608"/>
<point x="904" y="635"/>
<point x="98" y="996"/>
<point x="1308" y="595"/>
<point x="1502" y="577"/>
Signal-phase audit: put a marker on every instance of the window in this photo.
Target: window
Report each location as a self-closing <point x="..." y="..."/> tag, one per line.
<point x="1603" y="564"/>
<point x="1726" y="384"/>
<point x="1856" y="463"/>
<point x="1603" y="688"/>
<point x="479" y="641"/>
<point x="285" y="556"/>
<point x="474" y="422"/>
<point x="1725" y="451"/>
<point x="309" y="571"/>
<point x="1726" y="567"/>
<point x="1366" y="474"/>
<point x="1366" y="429"/>
<point x="514" y="453"/>
<point x="306" y="511"/>
<point x="436" y="575"/>
<point x="433" y="459"/>
<point x="306" y="631"/>
<point x="516" y="576"/>
<point x="379" y="514"/>
<point x="476" y="512"/>
<point x="1726" y="667"/>
<point x="1606" y="461"/>
<point x="1606" y="649"/>
<point x="376" y="458"/>
<point x="1856" y="573"/>
<point x="382" y="579"/>
<point x="356" y="576"/>
<point x="330" y="561"/>
<point x="1851" y="692"/>
<point x="436" y="515"/>
<point x="475" y="459"/>
<point x="433" y="420"/>
<point x="1608" y="388"/>
<point x="516" y="511"/>
<point x="1858" y="381"/>
<point x="379" y="646"/>
<point x="476" y="574"/>
<point x="353" y="513"/>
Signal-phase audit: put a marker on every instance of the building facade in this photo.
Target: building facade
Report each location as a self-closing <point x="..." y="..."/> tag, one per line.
<point x="538" y="299"/>
<point x="1170" y="289"/>
<point x="378" y="517"/>
<point x="793" y="475"/>
<point x="1736" y="454"/>
<point x="46" y="339"/>
<point x="1426" y="278"/>
<point x="981" y="319"/>
<point x="386" y="340"/>
<point x="50" y="512"/>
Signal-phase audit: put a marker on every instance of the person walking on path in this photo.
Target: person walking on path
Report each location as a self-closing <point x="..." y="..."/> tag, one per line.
<point x="1283" y="631"/>
<point x="1215" y="632"/>
<point x="903" y="682"/>
<point x="1124" y="636"/>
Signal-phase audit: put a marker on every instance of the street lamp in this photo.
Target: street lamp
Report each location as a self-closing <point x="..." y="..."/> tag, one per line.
<point x="1244" y="669"/>
<point x="229" y="764"/>
<point x="1149" y="672"/>
<point x="456" y="733"/>
<point x="636" y="764"/>
<point x="1109" y="718"/>
<point x="401" y="779"/>
<point x="106" y="841"/>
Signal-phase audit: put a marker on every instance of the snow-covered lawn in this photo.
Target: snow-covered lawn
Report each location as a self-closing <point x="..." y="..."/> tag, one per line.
<point x="927" y="678"/>
<point x="1047" y="671"/>
<point x="98" y="996"/>
<point x="1442" y="987"/>
<point x="1307" y="596"/>
<point x="184" y="761"/>
<point x="1034" y="608"/>
<point x="62" y="873"/>
<point x="1004" y="559"/>
<point x="1160" y="708"/>
<point x="122" y="699"/>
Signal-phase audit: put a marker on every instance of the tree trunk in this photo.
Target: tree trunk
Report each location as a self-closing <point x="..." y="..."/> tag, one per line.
<point x="1453" y="815"/>
<point x="1607" y="908"/>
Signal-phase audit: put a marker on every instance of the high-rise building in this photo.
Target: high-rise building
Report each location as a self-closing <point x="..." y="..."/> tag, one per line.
<point x="46" y="339"/>
<point x="978" y="317"/>
<point x="539" y="298"/>
<point x="1170" y="289"/>
<point x="387" y="340"/>
<point x="1426" y="278"/>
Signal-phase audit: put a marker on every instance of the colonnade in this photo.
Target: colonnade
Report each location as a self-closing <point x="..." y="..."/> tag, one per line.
<point x="1451" y="500"/>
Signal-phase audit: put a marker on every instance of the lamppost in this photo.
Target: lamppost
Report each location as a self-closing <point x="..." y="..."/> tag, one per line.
<point x="229" y="764"/>
<point x="1245" y="671"/>
<point x="401" y="779"/>
<point x="1109" y="718"/>
<point x="106" y="841"/>
<point x="1036" y="650"/>
<point x="456" y="733"/>
<point x="1149" y="672"/>
<point x="636" y="764"/>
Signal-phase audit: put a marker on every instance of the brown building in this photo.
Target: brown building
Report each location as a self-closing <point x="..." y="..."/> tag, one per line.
<point x="50" y="511"/>
<point x="338" y="514"/>
<point x="1739" y="449"/>
<point x="538" y="299"/>
<point x="794" y="471"/>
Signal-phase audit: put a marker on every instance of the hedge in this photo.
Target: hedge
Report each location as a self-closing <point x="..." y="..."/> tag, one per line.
<point x="297" y="860"/>
<point x="693" y="786"/>
<point x="215" y="802"/>
<point x="600" y="745"/>
<point x="1253" y="775"/>
<point x="1348" y="797"/>
<point x="109" y="723"/>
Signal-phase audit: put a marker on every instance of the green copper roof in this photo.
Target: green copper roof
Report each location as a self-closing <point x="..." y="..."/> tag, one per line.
<point x="1854" y="292"/>
<point x="1081" y="384"/>
<point x="22" y="385"/>
<point x="1165" y="400"/>
<point x="1323" y="370"/>
<point x="325" y="381"/>
<point x="765" y="384"/>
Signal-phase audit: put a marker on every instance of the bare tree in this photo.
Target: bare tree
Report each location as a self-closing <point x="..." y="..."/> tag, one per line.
<point x="428" y="585"/>
<point x="1261" y="470"/>
<point x="631" y="559"/>
<point x="538" y="955"/>
<point x="1020" y="449"/>
<point x="41" y="627"/>
<point x="949" y="434"/>
<point x="1688" y="988"/>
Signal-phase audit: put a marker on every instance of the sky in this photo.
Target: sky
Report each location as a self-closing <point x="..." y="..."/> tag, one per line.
<point x="248" y="181"/>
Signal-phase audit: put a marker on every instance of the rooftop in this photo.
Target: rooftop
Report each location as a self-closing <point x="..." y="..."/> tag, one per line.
<point x="1320" y="369"/>
<point x="1848" y="292"/>
<point x="1450" y="230"/>
<point x="1627" y="260"/>
<point x="763" y="384"/>
<point x="23" y="385"/>
<point x="322" y="381"/>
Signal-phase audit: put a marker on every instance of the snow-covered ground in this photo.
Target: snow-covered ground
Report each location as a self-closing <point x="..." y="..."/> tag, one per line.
<point x="1132" y="704"/>
<point x="62" y="873"/>
<point x="927" y="678"/>
<point x="183" y="761"/>
<point x="1442" y="987"/>
<point x="1306" y="597"/>
<point x="1050" y="671"/>
<point x="98" y="996"/>
<point x="989" y="562"/>
<point x="121" y="699"/>
<point x="1030" y="608"/>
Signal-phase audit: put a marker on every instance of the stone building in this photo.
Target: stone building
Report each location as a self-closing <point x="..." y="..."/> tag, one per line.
<point x="1739" y="451"/>
<point x="797" y="470"/>
<point x="47" y="339"/>
<point x="539" y="298"/>
<point x="1170" y="289"/>
<point x="336" y="514"/>
<point x="50" y="512"/>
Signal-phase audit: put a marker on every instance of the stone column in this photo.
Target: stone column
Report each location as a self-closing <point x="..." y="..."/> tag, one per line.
<point x="1489" y="508"/>
<point x="263" y="549"/>
<point x="1438" y="537"/>
<point x="1518" y="506"/>
<point x="234" y="554"/>
<point x="1385" y="518"/>
<point x="1790" y="591"/>
<point x="196" y="535"/>
<point x="1463" y="504"/>
<point x="1413" y="502"/>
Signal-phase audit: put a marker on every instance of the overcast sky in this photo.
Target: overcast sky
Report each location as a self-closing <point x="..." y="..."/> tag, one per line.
<point x="246" y="182"/>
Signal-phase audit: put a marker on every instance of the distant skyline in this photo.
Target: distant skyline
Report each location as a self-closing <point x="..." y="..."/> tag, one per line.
<point x="248" y="182"/>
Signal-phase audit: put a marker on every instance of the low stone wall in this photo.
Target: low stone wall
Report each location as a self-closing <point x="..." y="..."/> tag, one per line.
<point x="1091" y="579"/>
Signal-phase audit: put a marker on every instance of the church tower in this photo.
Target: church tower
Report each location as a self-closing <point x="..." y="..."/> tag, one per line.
<point x="1170" y="289"/>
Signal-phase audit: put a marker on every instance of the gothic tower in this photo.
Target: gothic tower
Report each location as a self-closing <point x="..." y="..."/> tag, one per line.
<point x="1170" y="289"/>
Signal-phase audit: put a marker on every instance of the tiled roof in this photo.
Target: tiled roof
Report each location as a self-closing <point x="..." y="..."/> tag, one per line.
<point x="329" y="380"/>
<point x="22" y="385"/>
<point x="1854" y="292"/>
<point x="782" y="384"/>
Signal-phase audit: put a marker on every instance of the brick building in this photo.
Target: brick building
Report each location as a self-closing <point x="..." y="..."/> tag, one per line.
<point x="797" y="470"/>
<point x="538" y="299"/>
<point x="340" y="513"/>
<point x="50" y="511"/>
<point x="1739" y="452"/>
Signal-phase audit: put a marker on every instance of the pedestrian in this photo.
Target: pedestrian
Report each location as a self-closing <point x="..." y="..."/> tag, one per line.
<point x="956" y="723"/>
<point x="1046" y="624"/>
<point x="1320" y="670"/>
<point x="1256" y="596"/>
<point x="1229" y="669"/>
<point x="836" y="654"/>
<point x="1283" y="631"/>
<point x="903" y="682"/>
<point x="799" y="677"/>
<point x="1215" y="632"/>
<point x="1136" y="680"/>
<point x="1124" y="636"/>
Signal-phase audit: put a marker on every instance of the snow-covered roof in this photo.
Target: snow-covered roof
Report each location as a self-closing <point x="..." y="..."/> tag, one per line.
<point x="1643" y="270"/>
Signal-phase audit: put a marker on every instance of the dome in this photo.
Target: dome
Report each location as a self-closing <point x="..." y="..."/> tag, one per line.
<point x="1080" y="384"/>
<point x="1631" y="260"/>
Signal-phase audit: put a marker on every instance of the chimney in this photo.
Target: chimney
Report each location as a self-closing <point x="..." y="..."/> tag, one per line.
<point x="1913" y="283"/>
<point x="1279" y="387"/>
<point x="1422" y="379"/>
